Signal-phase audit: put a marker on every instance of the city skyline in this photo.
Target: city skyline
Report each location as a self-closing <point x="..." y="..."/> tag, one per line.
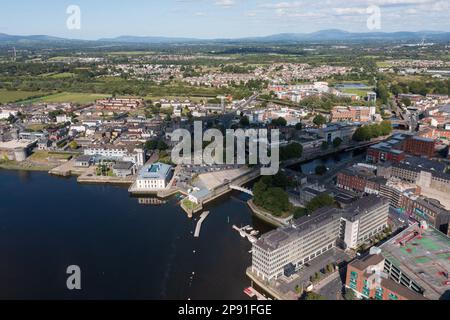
<point x="211" y="19"/>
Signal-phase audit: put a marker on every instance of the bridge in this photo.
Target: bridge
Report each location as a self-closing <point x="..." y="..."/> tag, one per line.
<point x="242" y="189"/>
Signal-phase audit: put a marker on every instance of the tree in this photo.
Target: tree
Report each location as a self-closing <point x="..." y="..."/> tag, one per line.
<point x="151" y="145"/>
<point x="314" y="296"/>
<point x="368" y="132"/>
<point x="162" y="145"/>
<point x="362" y="134"/>
<point x="337" y="142"/>
<point x="299" y="126"/>
<point x="321" y="170"/>
<point x="291" y="151"/>
<point x="330" y="268"/>
<point x="323" y="200"/>
<point x="270" y="198"/>
<point x="319" y="120"/>
<point x="280" y="122"/>
<point x="406" y="101"/>
<point x="73" y="145"/>
<point x="382" y="92"/>
<point x="244" y="122"/>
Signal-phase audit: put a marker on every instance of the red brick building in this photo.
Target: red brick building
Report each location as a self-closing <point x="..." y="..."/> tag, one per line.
<point x="378" y="153"/>
<point x="367" y="279"/>
<point x="420" y="146"/>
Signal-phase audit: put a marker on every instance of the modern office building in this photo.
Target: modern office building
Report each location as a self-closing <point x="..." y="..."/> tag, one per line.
<point x="287" y="249"/>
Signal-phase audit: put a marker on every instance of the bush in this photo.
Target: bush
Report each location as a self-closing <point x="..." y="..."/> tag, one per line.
<point x="321" y="170"/>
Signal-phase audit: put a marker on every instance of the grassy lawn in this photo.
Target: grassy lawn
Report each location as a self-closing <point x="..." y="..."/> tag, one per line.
<point x="13" y="96"/>
<point x="73" y="97"/>
<point x="36" y="126"/>
<point x="189" y="205"/>
<point x="22" y="166"/>
<point x="359" y="92"/>
<point x="62" y="75"/>
<point x="194" y="99"/>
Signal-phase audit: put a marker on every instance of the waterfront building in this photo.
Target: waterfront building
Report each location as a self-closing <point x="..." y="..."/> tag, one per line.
<point x="289" y="248"/>
<point x="383" y="152"/>
<point x="344" y="131"/>
<point x="83" y="161"/>
<point x="153" y="177"/>
<point x="16" y="150"/>
<point x="123" y="169"/>
<point x="126" y="153"/>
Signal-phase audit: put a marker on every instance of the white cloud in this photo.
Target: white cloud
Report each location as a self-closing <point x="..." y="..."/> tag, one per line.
<point x="225" y="3"/>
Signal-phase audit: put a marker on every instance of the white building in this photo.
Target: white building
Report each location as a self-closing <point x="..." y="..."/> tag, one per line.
<point x="5" y="114"/>
<point x="153" y="177"/>
<point x="63" y="119"/>
<point x="285" y="250"/>
<point x="117" y="153"/>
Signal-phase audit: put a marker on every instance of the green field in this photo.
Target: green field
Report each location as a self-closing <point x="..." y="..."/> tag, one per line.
<point x="384" y="64"/>
<point x="359" y="92"/>
<point x="13" y="96"/>
<point x="72" y="97"/>
<point x="62" y="75"/>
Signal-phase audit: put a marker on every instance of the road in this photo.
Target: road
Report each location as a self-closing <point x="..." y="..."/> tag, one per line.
<point x="244" y="104"/>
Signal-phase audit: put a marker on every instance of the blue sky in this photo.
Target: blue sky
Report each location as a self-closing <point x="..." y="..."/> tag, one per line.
<point x="217" y="18"/>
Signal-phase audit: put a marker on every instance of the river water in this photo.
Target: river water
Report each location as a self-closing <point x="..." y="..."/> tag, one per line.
<point x="125" y="250"/>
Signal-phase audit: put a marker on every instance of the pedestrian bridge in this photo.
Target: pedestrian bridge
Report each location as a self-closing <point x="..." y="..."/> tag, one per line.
<point x="242" y="189"/>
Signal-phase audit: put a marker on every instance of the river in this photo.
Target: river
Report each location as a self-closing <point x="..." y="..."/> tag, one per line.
<point x="328" y="161"/>
<point x="125" y="250"/>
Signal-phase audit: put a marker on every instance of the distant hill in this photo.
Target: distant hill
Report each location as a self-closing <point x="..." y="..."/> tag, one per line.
<point x="136" y="39"/>
<point x="320" y="36"/>
<point x="10" y="38"/>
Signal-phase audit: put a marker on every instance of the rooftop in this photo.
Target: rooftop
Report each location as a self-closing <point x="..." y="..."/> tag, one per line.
<point x="424" y="256"/>
<point x="281" y="236"/>
<point x="155" y="171"/>
<point x="16" y="144"/>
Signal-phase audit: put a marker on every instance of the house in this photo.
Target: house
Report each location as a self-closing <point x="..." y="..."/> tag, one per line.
<point x="198" y="196"/>
<point x="83" y="161"/>
<point x="44" y="144"/>
<point x="123" y="169"/>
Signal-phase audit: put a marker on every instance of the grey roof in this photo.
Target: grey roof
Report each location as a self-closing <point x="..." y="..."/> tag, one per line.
<point x="422" y="164"/>
<point x="155" y="171"/>
<point x="124" y="165"/>
<point x="83" y="158"/>
<point x="276" y="238"/>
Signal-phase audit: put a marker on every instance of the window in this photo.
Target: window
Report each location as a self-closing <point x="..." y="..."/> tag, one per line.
<point x="379" y="294"/>
<point x="392" y="296"/>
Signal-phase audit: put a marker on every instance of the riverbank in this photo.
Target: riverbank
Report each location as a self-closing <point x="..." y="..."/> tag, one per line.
<point x="268" y="288"/>
<point x="268" y="217"/>
<point x="218" y="192"/>
<point x="23" y="166"/>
